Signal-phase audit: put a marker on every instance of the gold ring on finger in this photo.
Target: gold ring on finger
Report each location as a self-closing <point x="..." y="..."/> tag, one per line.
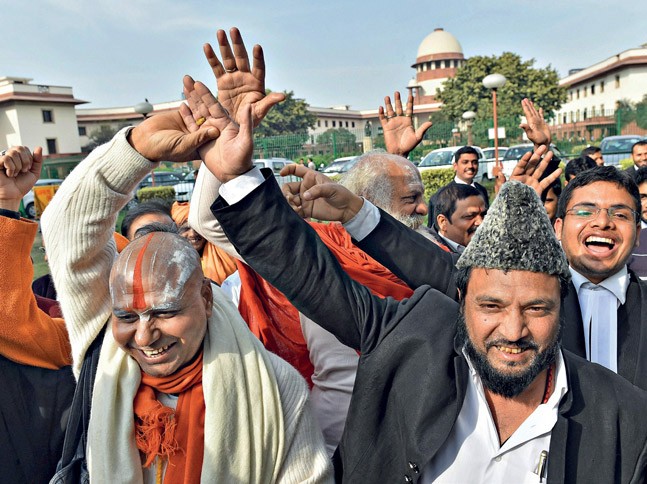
<point x="229" y="71"/>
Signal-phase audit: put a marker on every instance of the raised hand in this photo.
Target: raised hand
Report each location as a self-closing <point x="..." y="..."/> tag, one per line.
<point x="316" y="196"/>
<point x="231" y="154"/>
<point x="165" y="137"/>
<point x="399" y="136"/>
<point x="239" y="85"/>
<point x="499" y="176"/>
<point x="535" y="126"/>
<point x="293" y="191"/>
<point x="19" y="171"/>
<point x="531" y="167"/>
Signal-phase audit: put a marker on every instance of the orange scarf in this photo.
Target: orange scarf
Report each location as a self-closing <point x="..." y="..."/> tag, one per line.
<point x="275" y="322"/>
<point x="177" y="436"/>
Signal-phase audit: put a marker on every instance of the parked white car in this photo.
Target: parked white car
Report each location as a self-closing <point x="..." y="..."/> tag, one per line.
<point x="184" y="189"/>
<point x="276" y="165"/>
<point x="339" y="166"/>
<point x="490" y="162"/>
<point x="444" y="157"/>
<point x="28" y="199"/>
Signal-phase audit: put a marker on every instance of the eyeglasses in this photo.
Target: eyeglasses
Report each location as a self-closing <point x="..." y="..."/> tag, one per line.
<point x="591" y="212"/>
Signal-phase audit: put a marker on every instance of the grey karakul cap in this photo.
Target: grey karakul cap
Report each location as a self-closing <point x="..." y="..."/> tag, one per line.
<point x="516" y="235"/>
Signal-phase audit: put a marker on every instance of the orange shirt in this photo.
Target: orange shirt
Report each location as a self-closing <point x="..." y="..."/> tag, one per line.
<point x="27" y="335"/>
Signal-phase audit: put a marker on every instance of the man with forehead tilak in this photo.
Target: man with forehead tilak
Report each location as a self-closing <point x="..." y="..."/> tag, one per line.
<point x="160" y="321"/>
<point x="183" y="391"/>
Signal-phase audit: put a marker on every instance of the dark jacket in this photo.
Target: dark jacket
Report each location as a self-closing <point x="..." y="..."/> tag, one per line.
<point x="638" y="260"/>
<point x="411" y="380"/>
<point x="432" y="234"/>
<point x="392" y="245"/>
<point x="34" y="406"/>
<point x="632" y="172"/>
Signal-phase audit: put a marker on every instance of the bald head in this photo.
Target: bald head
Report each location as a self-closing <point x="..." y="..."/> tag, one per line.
<point x="390" y="182"/>
<point x="161" y="302"/>
<point x="161" y="263"/>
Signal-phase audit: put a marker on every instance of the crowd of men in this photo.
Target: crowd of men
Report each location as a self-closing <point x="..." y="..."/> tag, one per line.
<point x="504" y="341"/>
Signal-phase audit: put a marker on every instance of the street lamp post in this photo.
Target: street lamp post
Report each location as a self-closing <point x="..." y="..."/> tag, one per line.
<point x="494" y="82"/>
<point x="469" y="116"/>
<point x="367" y="142"/>
<point x="145" y="108"/>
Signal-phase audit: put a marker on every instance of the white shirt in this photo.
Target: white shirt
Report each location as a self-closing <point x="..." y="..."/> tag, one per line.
<point x="454" y="245"/>
<point x="472" y="453"/>
<point x="599" y="305"/>
<point x="458" y="180"/>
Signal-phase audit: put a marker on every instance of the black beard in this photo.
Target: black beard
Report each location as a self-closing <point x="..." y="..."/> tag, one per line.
<point x="500" y="383"/>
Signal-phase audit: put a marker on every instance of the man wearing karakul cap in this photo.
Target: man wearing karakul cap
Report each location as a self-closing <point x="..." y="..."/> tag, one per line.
<point x="492" y="399"/>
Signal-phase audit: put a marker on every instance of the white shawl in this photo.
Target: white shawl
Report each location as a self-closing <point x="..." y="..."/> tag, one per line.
<point x="244" y="428"/>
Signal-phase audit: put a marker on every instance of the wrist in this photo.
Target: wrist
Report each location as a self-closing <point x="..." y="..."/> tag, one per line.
<point x="12" y="205"/>
<point x="353" y="209"/>
<point x="138" y="140"/>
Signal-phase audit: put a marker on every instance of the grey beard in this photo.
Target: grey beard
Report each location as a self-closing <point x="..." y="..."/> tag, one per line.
<point x="411" y="221"/>
<point x="500" y="383"/>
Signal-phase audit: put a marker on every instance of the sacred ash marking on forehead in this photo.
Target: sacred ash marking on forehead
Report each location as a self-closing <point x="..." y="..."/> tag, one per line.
<point x="159" y="263"/>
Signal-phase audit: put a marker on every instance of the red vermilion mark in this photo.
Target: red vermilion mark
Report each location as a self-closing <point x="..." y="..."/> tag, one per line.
<point x="139" y="302"/>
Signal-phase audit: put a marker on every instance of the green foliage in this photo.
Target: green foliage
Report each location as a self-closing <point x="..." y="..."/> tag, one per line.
<point x="337" y="135"/>
<point x="440" y="133"/>
<point x="641" y="113"/>
<point x="341" y="140"/>
<point x="165" y="193"/>
<point x="435" y="179"/>
<point x="625" y="113"/>
<point x="466" y="92"/>
<point x="626" y="163"/>
<point x="100" y="136"/>
<point x="289" y="117"/>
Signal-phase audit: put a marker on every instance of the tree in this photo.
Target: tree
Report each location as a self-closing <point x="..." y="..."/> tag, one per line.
<point x="340" y="136"/>
<point x="641" y="113"/>
<point x="289" y="117"/>
<point x="466" y="92"/>
<point x="100" y="136"/>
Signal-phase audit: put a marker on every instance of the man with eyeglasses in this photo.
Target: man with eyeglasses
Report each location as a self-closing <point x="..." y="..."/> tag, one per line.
<point x="598" y="224"/>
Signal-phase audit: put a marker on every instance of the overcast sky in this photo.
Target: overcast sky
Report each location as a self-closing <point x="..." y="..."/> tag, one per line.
<point x="329" y="52"/>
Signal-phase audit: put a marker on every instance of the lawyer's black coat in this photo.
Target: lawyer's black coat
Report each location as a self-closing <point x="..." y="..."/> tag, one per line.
<point x="411" y="380"/>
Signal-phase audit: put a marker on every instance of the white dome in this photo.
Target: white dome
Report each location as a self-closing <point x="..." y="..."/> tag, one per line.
<point x="439" y="42"/>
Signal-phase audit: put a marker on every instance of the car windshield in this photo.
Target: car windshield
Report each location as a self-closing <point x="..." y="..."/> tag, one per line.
<point x="517" y="152"/>
<point x="618" y="145"/>
<point x="437" y="158"/>
<point x="489" y="152"/>
<point x="335" y="166"/>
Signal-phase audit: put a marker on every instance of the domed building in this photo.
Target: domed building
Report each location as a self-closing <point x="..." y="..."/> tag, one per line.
<point x="439" y="55"/>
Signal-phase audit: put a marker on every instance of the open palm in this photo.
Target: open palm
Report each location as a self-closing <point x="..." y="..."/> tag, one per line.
<point x="237" y="83"/>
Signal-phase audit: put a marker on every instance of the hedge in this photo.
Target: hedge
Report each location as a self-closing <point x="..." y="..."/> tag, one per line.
<point x="435" y="179"/>
<point x="165" y="193"/>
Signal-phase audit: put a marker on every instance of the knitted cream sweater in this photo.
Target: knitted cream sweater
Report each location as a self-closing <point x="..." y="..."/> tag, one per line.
<point x="77" y="227"/>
